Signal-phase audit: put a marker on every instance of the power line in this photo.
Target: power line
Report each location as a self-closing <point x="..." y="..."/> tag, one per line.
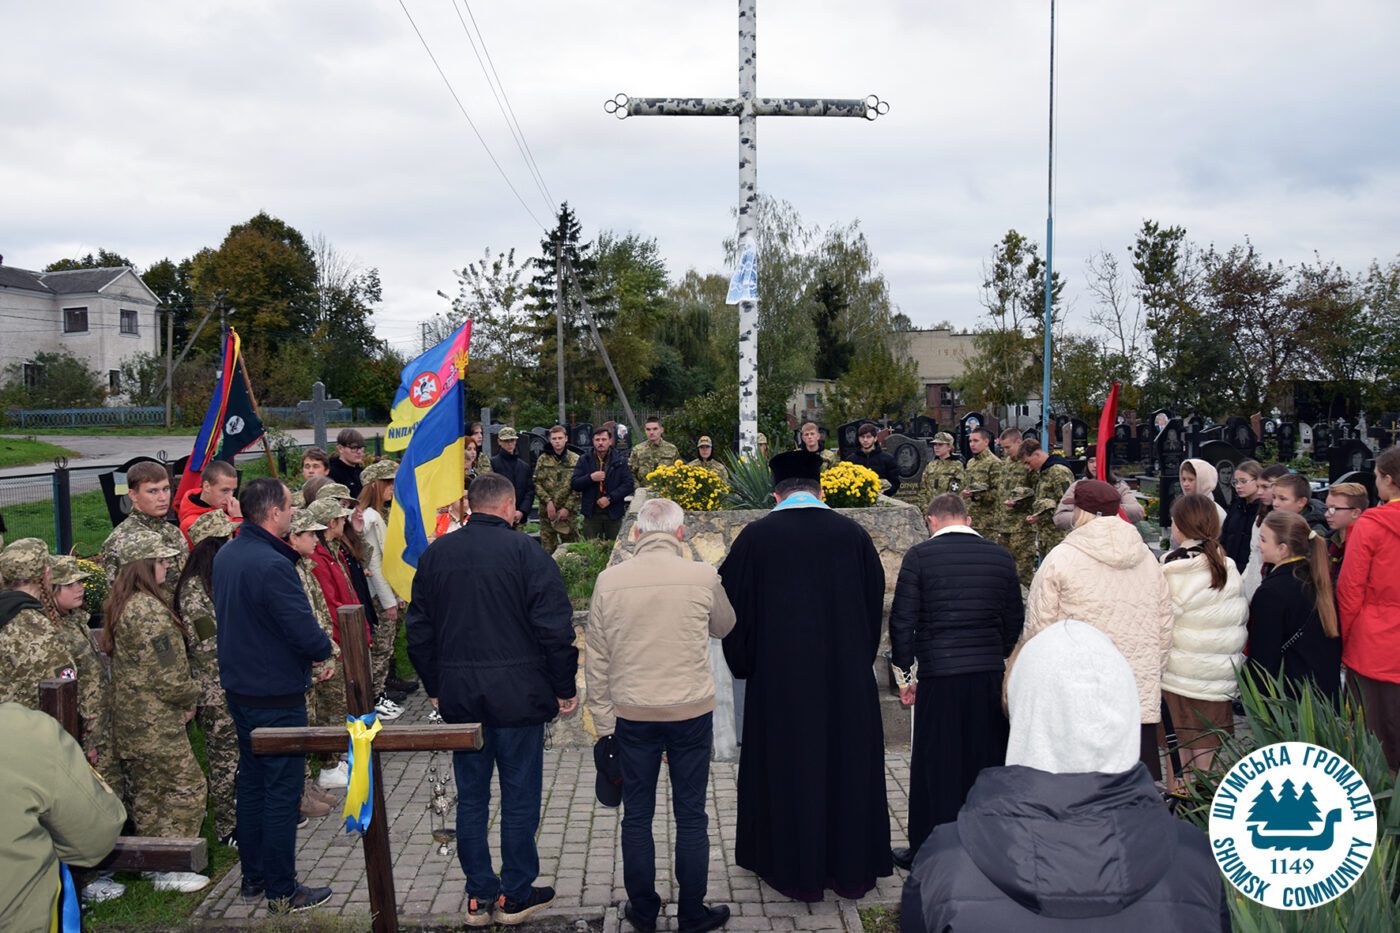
<point x="470" y="122"/>
<point x="528" y="153"/>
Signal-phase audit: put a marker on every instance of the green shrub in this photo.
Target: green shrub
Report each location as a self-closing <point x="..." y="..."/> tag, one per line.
<point x="750" y="483"/>
<point x="580" y="565"/>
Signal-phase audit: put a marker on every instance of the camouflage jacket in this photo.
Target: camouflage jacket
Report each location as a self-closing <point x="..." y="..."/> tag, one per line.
<point x="553" y="476"/>
<point x="306" y="570"/>
<point x="981" y="478"/>
<point x="482" y="464"/>
<point x="94" y="683"/>
<point x="169" y="533"/>
<point x="201" y="640"/>
<point x="151" y="683"/>
<point x="940" y="476"/>
<point x="32" y="648"/>
<point x="1017" y="481"/>
<point x="648" y="456"/>
<point x="1050" y="487"/>
<point x="714" y="466"/>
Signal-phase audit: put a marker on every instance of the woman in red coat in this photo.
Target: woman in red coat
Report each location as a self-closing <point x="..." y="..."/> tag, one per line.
<point x="1368" y="593"/>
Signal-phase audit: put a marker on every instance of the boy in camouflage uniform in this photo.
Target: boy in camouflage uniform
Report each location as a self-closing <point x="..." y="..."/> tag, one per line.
<point x="148" y="486"/>
<point x="943" y="473"/>
<point x="559" y="501"/>
<point x="154" y="696"/>
<point x="652" y="453"/>
<point x="980" y="486"/>
<point x="706" y="460"/>
<point x="1015" y="489"/>
<point x="1052" y="480"/>
<point x="196" y="609"/>
<point x="32" y="647"/>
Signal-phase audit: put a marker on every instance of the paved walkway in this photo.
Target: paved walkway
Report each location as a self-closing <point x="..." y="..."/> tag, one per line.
<point x="580" y="853"/>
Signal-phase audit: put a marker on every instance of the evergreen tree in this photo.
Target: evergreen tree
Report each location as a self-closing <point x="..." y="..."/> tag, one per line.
<point x="585" y="378"/>
<point x="834" y="352"/>
<point x="1265" y="807"/>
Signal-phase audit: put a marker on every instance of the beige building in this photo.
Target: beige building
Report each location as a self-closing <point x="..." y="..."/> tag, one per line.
<point x="940" y="355"/>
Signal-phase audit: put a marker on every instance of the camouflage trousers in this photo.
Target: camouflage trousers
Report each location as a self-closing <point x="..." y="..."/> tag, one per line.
<point x="166" y="791"/>
<point x="551" y="539"/>
<point x="221" y="751"/>
<point x="330" y="705"/>
<point x="985" y="521"/>
<point x="1049" y="535"/>
<point x="381" y="652"/>
<point x="1021" y="544"/>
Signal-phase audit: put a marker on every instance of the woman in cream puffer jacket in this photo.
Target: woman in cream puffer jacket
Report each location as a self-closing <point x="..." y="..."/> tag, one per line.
<point x="1208" y="631"/>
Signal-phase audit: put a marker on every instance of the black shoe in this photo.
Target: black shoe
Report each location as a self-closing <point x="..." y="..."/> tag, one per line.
<point x="903" y="858"/>
<point x="398" y="696"/>
<point x="302" y="821"/>
<point x="303" y="898"/>
<point x="510" y="911"/>
<point x="638" y="924"/>
<point x="396" y="683"/>
<point x="715" y="917"/>
<point x="250" y="890"/>
<point x="479" y="912"/>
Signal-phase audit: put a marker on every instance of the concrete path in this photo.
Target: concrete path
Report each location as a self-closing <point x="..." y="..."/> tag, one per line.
<point x="580" y="854"/>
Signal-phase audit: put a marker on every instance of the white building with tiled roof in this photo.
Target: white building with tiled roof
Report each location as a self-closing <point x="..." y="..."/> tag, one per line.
<point x="102" y="316"/>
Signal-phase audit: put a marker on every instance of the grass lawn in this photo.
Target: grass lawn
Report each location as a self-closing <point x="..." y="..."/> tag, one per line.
<point x="128" y="430"/>
<point x="22" y="451"/>
<point x="91" y="524"/>
<point x="880" y="919"/>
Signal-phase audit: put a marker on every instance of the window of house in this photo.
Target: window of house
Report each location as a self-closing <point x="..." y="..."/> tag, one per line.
<point x="114" y="381"/>
<point x="947" y="396"/>
<point x="75" y="320"/>
<point x="811" y="401"/>
<point x="32" y="375"/>
<point x="129" y="322"/>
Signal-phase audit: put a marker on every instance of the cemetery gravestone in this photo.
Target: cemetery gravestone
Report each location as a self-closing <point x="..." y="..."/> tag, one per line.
<point x="846" y="442"/>
<point x="1171" y="451"/>
<point x="1287" y="438"/>
<point x="1366" y="478"/>
<point x="1239" y="434"/>
<point x="581" y="436"/>
<point x="317" y="407"/>
<point x="1321" y="441"/>
<point x="1120" y="447"/>
<point x="1079" y="434"/>
<point x="924" y="426"/>
<point x="1350" y="456"/>
<point x="910" y="457"/>
<point x="1147" y="447"/>
<point x="970" y="422"/>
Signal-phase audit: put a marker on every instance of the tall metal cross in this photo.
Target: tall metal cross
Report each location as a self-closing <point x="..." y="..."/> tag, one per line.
<point x="748" y="107"/>
<point x="318" y="407"/>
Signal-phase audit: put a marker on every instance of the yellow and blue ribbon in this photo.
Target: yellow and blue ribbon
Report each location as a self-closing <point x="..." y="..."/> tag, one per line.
<point x="65" y="917"/>
<point x="359" y="794"/>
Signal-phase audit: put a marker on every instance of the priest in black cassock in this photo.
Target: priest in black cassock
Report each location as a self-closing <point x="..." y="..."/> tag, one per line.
<point x="807" y="588"/>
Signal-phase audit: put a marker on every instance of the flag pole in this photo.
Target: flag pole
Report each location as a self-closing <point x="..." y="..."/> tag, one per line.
<point x="271" y="463"/>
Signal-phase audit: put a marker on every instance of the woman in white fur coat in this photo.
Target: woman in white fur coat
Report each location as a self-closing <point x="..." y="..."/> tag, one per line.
<point x="1210" y="613"/>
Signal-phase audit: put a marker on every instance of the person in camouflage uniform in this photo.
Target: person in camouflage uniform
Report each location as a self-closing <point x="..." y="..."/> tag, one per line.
<point x="810" y="439"/>
<point x="149" y="489"/>
<point x="195" y="605"/>
<point x="302" y="538"/>
<point x="483" y="462"/>
<point x="329" y="701"/>
<point x="944" y="473"/>
<point x="980" y="483"/>
<point x="559" y="501"/>
<point x="652" y="453"/>
<point x="32" y="647"/>
<point x="154" y="694"/>
<point x="94" y="681"/>
<point x="1052" y="479"/>
<point x="706" y="461"/>
<point x="1016" y="487"/>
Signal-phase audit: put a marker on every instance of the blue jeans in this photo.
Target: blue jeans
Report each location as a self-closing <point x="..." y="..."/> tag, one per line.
<point x="687" y="748"/>
<point x="518" y="757"/>
<point x="269" y="797"/>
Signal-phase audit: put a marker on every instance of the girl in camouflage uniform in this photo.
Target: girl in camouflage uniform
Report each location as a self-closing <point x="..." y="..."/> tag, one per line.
<point x="195" y="604"/>
<point x="154" y="696"/>
<point x="31" y="646"/>
<point x="303" y="540"/>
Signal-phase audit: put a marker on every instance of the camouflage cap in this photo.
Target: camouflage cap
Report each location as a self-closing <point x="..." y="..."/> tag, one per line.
<point x="142" y="544"/>
<point x="66" y="570"/>
<point x="379" y="469"/>
<point x="25" y="559"/>
<point x="215" y="524"/>
<point x="333" y="491"/>
<point x="762" y="438"/>
<point x="507" y="434"/>
<point x="943" y="437"/>
<point x="324" y="510"/>
<point x="704" y="441"/>
<point x="303" y="521"/>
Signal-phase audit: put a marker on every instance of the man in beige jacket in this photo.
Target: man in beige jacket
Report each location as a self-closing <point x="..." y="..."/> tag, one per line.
<point x="651" y="692"/>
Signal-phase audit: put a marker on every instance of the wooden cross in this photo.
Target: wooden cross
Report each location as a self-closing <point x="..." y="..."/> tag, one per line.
<point x="59" y="698"/>
<point x="359" y="699"/>
<point x="317" y="408"/>
<point x="748" y="107"/>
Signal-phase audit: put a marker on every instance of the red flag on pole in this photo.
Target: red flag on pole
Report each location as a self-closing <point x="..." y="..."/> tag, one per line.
<point x="1107" y="421"/>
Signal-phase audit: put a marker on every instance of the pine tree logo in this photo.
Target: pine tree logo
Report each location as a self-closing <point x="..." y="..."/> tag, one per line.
<point x="1287" y="811"/>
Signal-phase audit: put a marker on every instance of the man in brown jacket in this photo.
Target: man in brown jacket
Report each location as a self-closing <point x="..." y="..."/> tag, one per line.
<point x="651" y="692"/>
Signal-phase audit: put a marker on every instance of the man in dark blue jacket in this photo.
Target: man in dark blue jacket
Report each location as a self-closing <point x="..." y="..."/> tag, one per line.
<point x="605" y="480"/>
<point x="490" y="631"/>
<point x="268" y="639"/>
<point x="519" y="471"/>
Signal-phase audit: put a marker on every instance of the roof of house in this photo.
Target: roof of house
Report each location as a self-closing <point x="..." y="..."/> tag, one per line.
<point x="10" y="277"/>
<point x="67" y="282"/>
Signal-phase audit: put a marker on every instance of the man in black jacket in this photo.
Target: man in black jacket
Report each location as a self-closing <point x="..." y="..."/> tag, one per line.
<point x="605" y="481"/>
<point x="870" y="455"/>
<point x="490" y="631"/>
<point x="517" y="469"/>
<point x="956" y="616"/>
<point x="268" y="638"/>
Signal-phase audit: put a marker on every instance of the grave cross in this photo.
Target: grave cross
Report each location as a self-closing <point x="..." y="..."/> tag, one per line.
<point x="748" y="107"/>
<point x="359" y="699"/>
<point x="317" y="407"/>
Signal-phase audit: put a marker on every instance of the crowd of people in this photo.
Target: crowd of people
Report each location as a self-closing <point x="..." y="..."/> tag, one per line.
<point x="229" y="615"/>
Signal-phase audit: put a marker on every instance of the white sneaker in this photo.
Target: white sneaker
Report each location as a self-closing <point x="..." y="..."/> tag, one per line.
<point x="434" y="716"/>
<point x="339" y="776"/>
<point x="184" y="881"/>
<point x="387" y="709"/>
<point x="103" y="888"/>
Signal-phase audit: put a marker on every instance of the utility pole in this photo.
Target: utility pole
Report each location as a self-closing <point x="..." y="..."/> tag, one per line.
<point x="169" y="359"/>
<point x="559" y="324"/>
<point x="1047" y="431"/>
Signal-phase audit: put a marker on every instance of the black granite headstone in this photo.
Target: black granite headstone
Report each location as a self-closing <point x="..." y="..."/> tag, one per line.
<point x="581" y="436"/>
<point x="1366" y="478"/>
<point x="924" y="426"/>
<point x="1120" y="448"/>
<point x="1170" y="451"/>
<point x="1239" y="434"/>
<point x="1287" y="438"/>
<point x="970" y="421"/>
<point x="1350" y="456"/>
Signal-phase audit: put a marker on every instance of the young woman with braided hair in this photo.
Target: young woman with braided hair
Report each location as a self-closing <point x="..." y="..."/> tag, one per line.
<point x="1293" y="628"/>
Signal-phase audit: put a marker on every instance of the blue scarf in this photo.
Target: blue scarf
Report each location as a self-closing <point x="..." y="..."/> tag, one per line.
<point x="801" y="500"/>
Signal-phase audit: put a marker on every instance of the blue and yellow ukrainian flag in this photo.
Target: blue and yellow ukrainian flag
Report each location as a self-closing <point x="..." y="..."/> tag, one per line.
<point x="430" y="475"/>
<point x="424" y="381"/>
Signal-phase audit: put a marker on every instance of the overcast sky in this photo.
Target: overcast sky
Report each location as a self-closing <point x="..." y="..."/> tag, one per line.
<point x="150" y="128"/>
